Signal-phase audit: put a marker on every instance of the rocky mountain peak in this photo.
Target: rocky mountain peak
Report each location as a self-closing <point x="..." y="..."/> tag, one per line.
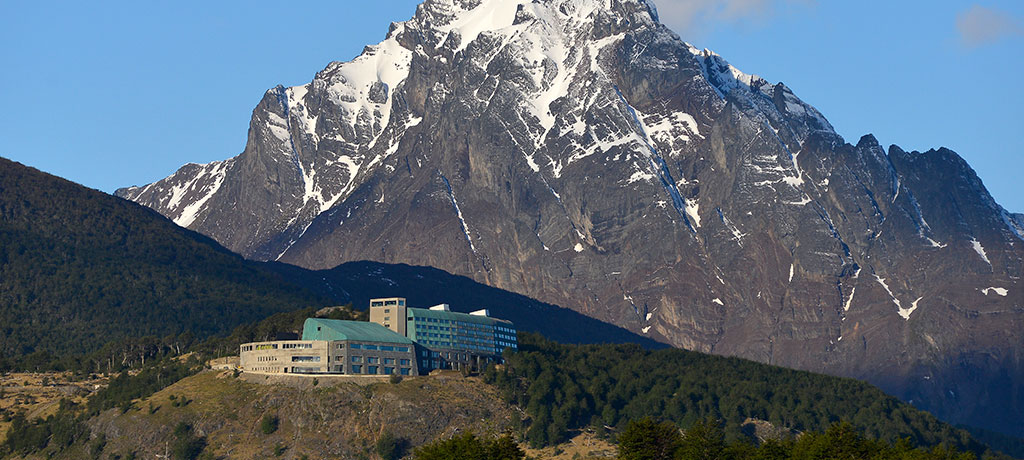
<point x="579" y="152"/>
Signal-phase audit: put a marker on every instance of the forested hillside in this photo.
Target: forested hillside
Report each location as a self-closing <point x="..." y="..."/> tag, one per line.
<point x="568" y="387"/>
<point x="81" y="268"/>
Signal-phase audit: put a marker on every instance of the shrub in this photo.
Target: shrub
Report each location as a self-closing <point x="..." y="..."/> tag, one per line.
<point x="469" y="446"/>
<point x="389" y="447"/>
<point x="269" y="424"/>
<point x="96" y="446"/>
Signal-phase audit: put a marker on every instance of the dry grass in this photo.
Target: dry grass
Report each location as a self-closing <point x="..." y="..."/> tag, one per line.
<point x="335" y="418"/>
<point x="37" y="395"/>
<point x="584" y="446"/>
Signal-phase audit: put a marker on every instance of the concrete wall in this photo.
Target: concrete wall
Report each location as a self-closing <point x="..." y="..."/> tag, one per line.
<point x="283" y="356"/>
<point x="390" y="316"/>
<point x="323" y="357"/>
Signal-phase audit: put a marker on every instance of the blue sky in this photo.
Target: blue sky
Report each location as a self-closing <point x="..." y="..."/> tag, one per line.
<point x="121" y="93"/>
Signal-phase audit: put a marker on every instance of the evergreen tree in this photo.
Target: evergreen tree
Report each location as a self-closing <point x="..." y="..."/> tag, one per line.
<point x="705" y="440"/>
<point x="646" y="439"/>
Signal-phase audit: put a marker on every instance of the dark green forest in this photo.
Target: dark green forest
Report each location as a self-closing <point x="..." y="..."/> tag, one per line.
<point x="564" y="388"/>
<point x="81" y="268"/>
<point x="646" y="439"/>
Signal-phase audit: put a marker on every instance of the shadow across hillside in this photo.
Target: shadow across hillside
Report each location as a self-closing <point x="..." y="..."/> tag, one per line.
<point x="357" y="282"/>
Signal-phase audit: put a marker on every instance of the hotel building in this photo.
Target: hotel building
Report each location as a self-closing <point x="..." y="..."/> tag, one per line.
<point x="398" y="339"/>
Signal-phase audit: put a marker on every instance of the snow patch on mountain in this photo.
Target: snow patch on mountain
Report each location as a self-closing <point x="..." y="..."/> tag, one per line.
<point x="487" y="16"/>
<point x="905" y="312"/>
<point x="886" y="287"/>
<point x="217" y="171"/>
<point x="458" y="212"/>
<point x="723" y="76"/>
<point x="675" y="126"/>
<point x="737" y="235"/>
<point x="849" y="301"/>
<point x="1015" y="222"/>
<point x="976" y="245"/>
<point x="996" y="290"/>
<point x="693" y="210"/>
<point x="380" y="67"/>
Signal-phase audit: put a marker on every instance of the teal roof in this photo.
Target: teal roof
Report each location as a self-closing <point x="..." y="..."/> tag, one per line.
<point x="457" y="316"/>
<point x="361" y="331"/>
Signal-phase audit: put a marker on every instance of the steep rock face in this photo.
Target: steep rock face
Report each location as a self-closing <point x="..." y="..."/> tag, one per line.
<point x="579" y="152"/>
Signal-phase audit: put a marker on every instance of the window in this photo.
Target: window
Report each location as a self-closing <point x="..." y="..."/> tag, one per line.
<point x="403" y="362"/>
<point x="401" y="303"/>
<point x="387" y="310"/>
<point x="341" y="346"/>
<point x="357" y="359"/>
<point x="425" y="363"/>
<point x="357" y="369"/>
<point x="372" y="360"/>
<point x="371" y="370"/>
<point x="389" y="361"/>
<point x="402" y="349"/>
<point x="389" y="370"/>
<point x="355" y="346"/>
<point x="387" y="348"/>
<point x="369" y="347"/>
<point x="305" y="359"/>
<point x="339" y="369"/>
<point x="404" y="371"/>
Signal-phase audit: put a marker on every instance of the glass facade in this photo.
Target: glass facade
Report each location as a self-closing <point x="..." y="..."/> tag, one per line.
<point x="481" y="335"/>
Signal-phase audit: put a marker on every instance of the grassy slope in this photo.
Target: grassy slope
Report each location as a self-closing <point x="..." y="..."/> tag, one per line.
<point x="330" y="420"/>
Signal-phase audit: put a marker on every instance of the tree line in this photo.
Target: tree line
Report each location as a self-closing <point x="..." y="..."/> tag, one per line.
<point x="565" y="388"/>
<point x="647" y="439"/>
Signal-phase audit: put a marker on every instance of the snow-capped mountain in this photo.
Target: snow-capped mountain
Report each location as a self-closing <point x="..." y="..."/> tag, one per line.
<point x="581" y="153"/>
